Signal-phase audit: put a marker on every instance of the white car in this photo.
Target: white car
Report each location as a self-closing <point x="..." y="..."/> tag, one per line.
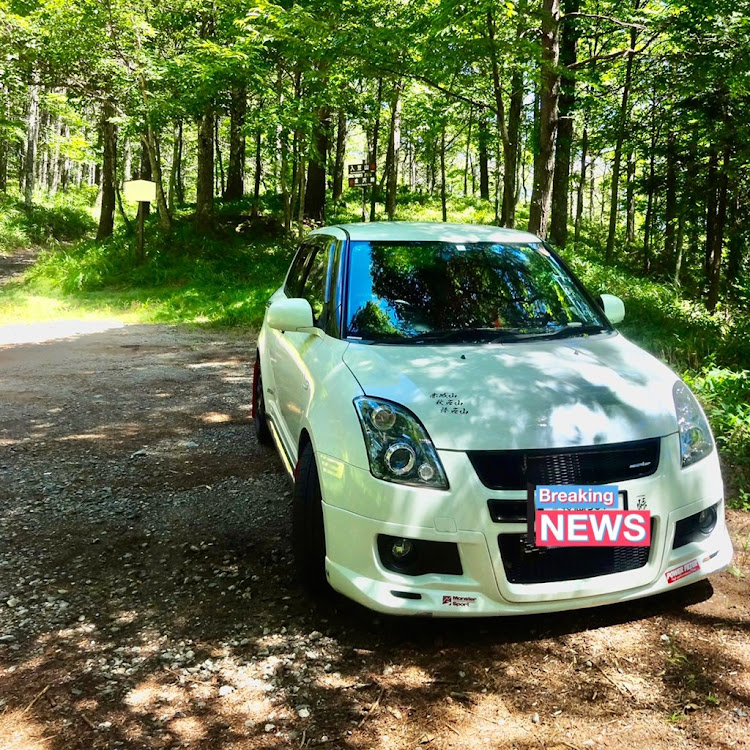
<point x="421" y="380"/>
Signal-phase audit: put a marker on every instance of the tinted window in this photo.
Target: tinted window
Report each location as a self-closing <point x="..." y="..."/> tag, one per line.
<point x="296" y="273"/>
<point x="316" y="286"/>
<point x="477" y="291"/>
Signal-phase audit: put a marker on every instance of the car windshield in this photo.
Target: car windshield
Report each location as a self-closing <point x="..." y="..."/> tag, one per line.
<point x="414" y="292"/>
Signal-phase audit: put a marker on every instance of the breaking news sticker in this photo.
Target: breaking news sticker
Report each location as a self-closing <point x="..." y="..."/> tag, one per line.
<point x="572" y="497"/>
<point x="596" y="528"/>
<point x="682" y="571"/>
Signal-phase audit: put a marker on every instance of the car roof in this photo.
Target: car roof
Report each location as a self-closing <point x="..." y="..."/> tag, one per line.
<point x="410" y="231"/>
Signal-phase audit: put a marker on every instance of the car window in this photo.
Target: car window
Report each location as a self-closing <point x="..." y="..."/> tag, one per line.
<point x="407" y="291"/>
<point x="316" y="287"/>
<point x="296" y="273"/>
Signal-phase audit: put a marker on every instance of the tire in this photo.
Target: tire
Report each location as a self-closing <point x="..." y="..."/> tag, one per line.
<point x="260" y="420"/>
<point x="308" y="533"/>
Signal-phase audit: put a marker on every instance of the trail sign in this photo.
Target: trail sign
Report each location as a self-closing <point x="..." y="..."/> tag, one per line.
<point x="363" y="180"/>
<point x="362" y="168"/>
<point x="140" y="190"/>
<point x="362" y="175"/>
<point x="143" y="191"/>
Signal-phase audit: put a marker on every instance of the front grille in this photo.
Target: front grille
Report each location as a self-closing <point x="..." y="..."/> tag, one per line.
<point x="526" y="564"/>
<point x="596" y="464"/>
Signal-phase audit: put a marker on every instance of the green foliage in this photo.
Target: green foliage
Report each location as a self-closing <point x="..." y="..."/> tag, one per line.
<point x="710" y="351"/>
<point x="66" y="218"/>
<point x="725" y="395"/>
<point x="223" y="280"/>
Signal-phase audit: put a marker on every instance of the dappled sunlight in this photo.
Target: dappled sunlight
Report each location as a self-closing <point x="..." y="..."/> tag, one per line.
<point x="213" y="417"/>
<point x="19" y="731"/>
<point x="89" y="436"/>
<point x="155" y="604"/>
<point x="37" y="333"/>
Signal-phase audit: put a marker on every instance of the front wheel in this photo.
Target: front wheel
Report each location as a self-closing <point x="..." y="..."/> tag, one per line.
<point x="308" y="533"/>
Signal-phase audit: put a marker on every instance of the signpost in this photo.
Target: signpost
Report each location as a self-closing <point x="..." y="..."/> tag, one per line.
<point x="362" y="175"/>
<point x="143" y="191"/>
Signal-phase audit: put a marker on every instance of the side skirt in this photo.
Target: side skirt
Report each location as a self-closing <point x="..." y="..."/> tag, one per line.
<point x="280" y="449"/>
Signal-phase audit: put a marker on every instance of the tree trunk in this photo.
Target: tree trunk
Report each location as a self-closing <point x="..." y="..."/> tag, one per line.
<point x="53" y="174"/>
<point x="258" y="171"/>
<point x="315" y="193"/>
<point x="175" y="173"/>
<point x="145" y="173"/>
<point x="467" y="154"/>
<point x="236" y="167"/>
<point x="443" y="197"/>
<point x="43" y="152"/>
<point x="648" y="232"/>
<point x="721" y="188"/>
<point x="204" y="197"/>
<point x="4" y="146"/>
<point x="564" y="145"/>
<point x="630" y="201"/>
<point x="3" y="166"/>
<point x="32" y="135"/>
<point x="286" y="193"/>
<point x="670" y="209"/>
<point x="302" y="188"/>
<point x="219" y="161"/>
<point x="394" y="153"/>
<point x="502" y="130"/>
<point x="484" y="166"/>
<point x="338" y="166"/>
<point x="581" y="184"/>
<point x="109" y="172"/>
<point x="374" y="152"/>
<point x="735" y="244"/>
<point x="510" y="176"/>
<point x="621" y="126"/>
<point x="680" y="243"/>
<point x="544" y="164"/>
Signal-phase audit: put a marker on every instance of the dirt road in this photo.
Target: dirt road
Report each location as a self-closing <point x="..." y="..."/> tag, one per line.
<point x="147" y="599"/>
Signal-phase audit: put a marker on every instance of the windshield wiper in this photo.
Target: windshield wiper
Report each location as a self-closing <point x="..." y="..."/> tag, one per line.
<point x="453" y="335"/>
<point x="572" y="331"/>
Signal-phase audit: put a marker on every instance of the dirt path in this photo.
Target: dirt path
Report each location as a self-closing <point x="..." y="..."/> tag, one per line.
<point x="12" y="267"/>
<point x="147" y="600"/>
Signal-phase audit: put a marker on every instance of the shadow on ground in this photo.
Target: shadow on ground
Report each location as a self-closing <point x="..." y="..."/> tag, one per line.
<point x="148" y="599"/>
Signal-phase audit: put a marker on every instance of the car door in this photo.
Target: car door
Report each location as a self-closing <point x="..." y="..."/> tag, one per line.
<point x="294" y="350"/>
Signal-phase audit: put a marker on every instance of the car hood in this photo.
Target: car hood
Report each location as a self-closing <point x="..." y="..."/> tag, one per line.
<point x="541" y="394"/>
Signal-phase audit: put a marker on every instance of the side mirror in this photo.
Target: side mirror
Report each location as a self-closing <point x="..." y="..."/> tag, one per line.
<point x="290" y="314"/>
<point x="614" y="308"/>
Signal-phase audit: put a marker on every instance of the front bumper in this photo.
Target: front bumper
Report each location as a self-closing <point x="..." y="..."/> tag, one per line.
<point x="357" y="508"/>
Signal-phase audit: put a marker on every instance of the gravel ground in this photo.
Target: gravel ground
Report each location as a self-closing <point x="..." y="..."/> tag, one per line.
<point x="147" y="597"/>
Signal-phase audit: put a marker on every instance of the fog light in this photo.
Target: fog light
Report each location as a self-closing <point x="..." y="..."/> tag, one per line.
<point x="402" y="548"/>
<point x="400" y="458"/>
<point x="707" y="520"/>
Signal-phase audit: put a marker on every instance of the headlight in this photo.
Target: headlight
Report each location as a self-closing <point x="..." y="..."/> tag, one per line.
<point x="695" y="434"/>
<point x="398" y="446"/>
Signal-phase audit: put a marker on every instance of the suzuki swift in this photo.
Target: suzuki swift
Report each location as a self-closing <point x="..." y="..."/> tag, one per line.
<point x="421" y="382"/>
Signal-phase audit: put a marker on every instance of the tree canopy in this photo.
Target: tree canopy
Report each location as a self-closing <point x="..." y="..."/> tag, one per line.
<point x="626" y="119"/>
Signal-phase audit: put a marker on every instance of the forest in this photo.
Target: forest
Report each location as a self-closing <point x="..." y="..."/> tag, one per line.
<point x="559" y="114"/>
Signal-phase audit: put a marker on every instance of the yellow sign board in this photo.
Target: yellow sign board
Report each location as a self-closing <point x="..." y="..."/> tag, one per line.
<point x="140" y="190"/>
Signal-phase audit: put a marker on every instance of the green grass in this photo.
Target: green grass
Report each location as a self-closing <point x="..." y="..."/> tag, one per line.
<point x="227" y="278"/>
<point x="65" y="218"/>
